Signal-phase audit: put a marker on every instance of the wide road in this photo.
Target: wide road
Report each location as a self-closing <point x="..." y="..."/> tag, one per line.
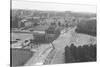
<point x="60" y="43"/>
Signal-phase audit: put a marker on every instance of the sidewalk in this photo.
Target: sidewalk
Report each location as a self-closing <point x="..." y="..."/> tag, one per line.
<point x="60" y="44"/>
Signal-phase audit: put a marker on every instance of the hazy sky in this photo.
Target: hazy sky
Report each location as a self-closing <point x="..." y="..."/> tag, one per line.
<point x="52" y="6"/>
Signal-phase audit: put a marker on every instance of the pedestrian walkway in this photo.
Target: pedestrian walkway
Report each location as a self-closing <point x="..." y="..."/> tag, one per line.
<point x="60" y="44"/>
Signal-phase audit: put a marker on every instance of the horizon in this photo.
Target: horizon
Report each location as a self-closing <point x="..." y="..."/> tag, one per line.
<point x="53" y="11"/>
<point x="57" y="7"/>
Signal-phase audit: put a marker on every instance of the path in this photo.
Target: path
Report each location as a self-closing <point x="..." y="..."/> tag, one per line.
<point x="60" y="44"/>
<point x="40" y="55"/>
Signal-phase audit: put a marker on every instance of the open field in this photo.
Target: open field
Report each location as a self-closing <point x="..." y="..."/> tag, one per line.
<point x="80" y="39"/>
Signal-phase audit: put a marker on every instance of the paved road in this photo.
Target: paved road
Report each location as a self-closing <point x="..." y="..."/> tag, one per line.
<point x="60" y="44"/>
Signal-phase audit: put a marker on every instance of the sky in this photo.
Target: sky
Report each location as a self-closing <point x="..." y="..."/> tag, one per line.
<point x="52" y="6"/>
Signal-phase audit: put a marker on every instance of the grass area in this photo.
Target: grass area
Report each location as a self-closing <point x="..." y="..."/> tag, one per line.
<point x="80" y="39"/>
<point x="20" y="56"/>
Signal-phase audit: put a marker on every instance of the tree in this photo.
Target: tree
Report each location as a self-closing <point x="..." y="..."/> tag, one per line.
<point x="59" y="24"/>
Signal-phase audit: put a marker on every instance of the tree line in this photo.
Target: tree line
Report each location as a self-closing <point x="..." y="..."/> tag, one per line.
<point x="84" y="53"/>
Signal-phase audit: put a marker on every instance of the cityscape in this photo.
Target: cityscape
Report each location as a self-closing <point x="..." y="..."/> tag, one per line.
<point x="43" y="37"/>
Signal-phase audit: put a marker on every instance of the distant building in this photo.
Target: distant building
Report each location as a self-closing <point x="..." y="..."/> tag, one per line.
<point x="29" y="22"/>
